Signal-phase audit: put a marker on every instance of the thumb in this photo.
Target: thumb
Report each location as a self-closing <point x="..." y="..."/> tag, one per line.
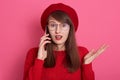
<point x="90" y="54"/>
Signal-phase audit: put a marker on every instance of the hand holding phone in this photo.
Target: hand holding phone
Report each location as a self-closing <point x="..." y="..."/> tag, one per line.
<point x="42" y="53"/>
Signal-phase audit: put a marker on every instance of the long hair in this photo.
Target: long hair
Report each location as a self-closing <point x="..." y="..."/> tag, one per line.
<point x="72" y="61"/>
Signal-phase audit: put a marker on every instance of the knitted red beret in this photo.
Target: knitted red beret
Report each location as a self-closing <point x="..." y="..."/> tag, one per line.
<point x="62" y="7"/>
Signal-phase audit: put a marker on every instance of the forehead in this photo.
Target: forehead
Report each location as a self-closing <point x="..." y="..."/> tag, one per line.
<point x="53" y="20"/>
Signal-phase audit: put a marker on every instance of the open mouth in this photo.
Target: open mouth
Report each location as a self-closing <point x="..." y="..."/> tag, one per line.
<point x="58" y="37"/>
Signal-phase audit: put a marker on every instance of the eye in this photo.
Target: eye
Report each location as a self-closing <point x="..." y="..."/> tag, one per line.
<point x="53" y="25"/>
<point x="65" y="25"/>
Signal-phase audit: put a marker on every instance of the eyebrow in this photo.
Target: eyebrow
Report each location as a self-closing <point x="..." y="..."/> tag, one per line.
<point x="51" y="21"/>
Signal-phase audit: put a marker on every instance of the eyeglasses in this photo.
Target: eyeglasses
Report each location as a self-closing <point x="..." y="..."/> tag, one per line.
<point x="63" y="26"/>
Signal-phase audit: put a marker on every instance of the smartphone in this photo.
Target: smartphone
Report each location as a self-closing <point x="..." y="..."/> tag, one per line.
<point x="46" y="31"/>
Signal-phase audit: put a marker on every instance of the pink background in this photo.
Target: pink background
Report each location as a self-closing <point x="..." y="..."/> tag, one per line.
<point x="20" y="30"/>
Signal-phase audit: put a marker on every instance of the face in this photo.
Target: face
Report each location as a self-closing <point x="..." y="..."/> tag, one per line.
<point x="58" y="31"/>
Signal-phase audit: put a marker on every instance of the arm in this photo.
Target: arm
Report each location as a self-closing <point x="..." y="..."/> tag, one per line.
<point x="35" y="59"/>
<point x="87" y="71"/>
<point x="33" y="66"/>
<point x="87" y="61"/>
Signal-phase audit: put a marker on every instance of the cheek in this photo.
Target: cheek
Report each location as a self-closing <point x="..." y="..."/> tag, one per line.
<point x="66" y="34"/>
<point x="51" y="33"/>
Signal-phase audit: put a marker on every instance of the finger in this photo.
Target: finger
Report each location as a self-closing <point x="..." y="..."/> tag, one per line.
<point x="44" y="36"/>
<point x="90" y="54"/>
<point x="89" y="59"/>
<point x="106" y="46"/>
<point x="102" y="48"/>
<point x="45" y="42"/>
<point x="94" y="55"/>
<point x="44" y="39"/>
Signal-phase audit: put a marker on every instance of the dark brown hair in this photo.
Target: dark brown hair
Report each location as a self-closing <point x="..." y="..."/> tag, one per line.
<point x="72" y="61"/>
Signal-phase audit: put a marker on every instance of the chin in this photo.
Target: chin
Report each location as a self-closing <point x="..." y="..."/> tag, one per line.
<point x="58" y="42"/>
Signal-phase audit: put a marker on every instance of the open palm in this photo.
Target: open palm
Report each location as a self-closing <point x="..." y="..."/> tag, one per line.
<point x="94" y="54"/>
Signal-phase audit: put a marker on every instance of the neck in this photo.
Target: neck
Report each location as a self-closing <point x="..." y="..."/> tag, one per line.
<point x="59" y="47"/>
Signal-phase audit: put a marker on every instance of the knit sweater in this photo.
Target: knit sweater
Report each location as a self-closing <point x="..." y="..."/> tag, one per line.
<point x="34" y="69"/>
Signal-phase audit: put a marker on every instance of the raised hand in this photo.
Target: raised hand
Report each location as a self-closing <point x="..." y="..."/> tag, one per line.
<point x="94" y="54"/>
<point x="42" y="53"/>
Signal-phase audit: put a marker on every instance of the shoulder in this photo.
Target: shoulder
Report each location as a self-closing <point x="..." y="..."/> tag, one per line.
<point x="32" y="52"/>
<point x="82" y="51"/>
<point x="31" y="56"/>
<point x="33" y="49"/>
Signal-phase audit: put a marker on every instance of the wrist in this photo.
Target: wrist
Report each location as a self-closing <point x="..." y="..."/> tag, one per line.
<point x="39" y="57"/>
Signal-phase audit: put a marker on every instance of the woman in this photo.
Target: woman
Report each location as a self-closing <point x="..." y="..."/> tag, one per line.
<point x="58" y="57"/>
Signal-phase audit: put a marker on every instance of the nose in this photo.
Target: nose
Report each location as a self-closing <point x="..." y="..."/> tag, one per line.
<point x="57" y="30"/>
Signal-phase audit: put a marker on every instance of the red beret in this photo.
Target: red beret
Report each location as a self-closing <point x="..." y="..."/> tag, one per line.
<point x="62" y="7"/>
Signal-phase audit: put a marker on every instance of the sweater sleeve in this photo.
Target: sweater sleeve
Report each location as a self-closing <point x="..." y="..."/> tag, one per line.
<point x="33" y="66"/>
<point x="87" y="71"/>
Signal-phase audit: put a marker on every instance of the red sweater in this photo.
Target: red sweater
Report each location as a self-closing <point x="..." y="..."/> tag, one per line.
<point x="34" y="70"/>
